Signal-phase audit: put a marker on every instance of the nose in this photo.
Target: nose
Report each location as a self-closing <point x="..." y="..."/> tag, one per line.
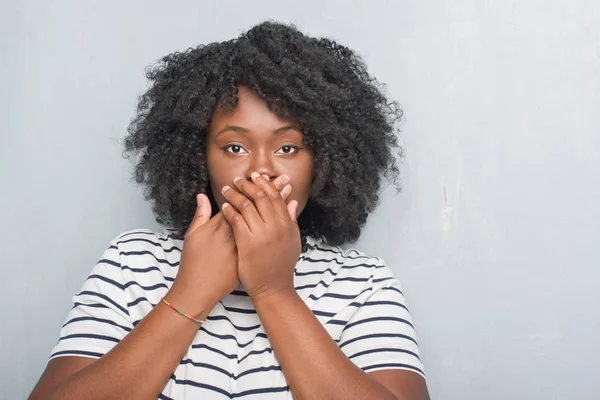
<point x="263" y="164"/>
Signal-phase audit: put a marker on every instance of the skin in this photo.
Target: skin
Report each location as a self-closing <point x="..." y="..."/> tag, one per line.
<point x="250" y="139"/>
<point x="261" y="184"/>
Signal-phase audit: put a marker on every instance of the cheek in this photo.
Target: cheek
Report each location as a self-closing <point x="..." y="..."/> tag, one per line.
<point x="303" y="180"/>
<point x="215" y="179"/>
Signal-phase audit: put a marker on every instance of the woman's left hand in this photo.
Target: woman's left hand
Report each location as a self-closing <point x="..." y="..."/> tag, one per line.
<point x="266" y="234"/>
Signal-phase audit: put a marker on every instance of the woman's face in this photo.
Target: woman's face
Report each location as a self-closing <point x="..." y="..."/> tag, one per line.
<point x="252" y="138"/>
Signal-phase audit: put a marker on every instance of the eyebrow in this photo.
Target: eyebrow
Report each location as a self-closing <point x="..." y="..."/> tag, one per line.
<point x="244" y="130"/>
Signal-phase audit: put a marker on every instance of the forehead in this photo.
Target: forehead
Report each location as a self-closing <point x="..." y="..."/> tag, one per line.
<point x="251" y="112"/>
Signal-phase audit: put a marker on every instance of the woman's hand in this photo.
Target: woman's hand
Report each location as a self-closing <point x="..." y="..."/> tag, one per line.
<point x="208" y="265"/>
<point x="266" y="233"/>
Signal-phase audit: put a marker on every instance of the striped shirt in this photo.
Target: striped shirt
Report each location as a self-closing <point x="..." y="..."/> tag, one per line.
<point x="355" y="297"/>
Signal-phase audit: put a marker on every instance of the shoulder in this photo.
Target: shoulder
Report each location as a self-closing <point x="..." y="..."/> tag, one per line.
<point x="142" y="239"/>
<point x="141" y="250"/>
<point x="349" y="264"/>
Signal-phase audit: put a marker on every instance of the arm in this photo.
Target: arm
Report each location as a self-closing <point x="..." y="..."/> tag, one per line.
<point x="138" y="367"/>
<point x="313" y="364"/>
<point x="268" y="240"/>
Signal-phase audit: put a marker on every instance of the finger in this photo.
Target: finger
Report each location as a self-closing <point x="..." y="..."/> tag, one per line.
<point x="202" y="214"/>
<point x="281" y="181"/>
<point x="259" y="197"/>
<point x="292" y="208"/>
<point x="243" y="205"/>
<point x="281" y="184"/>
<point x="274" y="195"/>
<point x="236" y="220"/>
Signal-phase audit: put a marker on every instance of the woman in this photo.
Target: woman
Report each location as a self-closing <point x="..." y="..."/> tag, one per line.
<point x="263" y="154"/>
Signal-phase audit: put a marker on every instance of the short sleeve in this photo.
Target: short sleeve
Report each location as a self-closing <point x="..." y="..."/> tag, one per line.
<point x="99" y="318"/>
<point x="380" y="335"/>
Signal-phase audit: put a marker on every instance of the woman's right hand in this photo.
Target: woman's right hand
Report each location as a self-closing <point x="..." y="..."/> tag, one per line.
<point x="208" y="264"/>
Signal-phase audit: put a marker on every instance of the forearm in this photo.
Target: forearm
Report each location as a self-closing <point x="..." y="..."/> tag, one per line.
<point x="313" y="364"/>
<point x="140" y="365"/>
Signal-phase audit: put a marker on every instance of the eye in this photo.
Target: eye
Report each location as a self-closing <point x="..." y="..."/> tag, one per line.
<point x="234" y="149"/>
<point x="287" y="150"/>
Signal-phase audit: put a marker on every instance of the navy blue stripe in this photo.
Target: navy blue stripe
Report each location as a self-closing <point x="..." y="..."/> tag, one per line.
<point x="377" y="335"/>
<point x="231" y="356"/>
<point x="93" y="305"/>
<point x="323" y="313"/>
<point x="205" y="365"/>
<point x="262" y="335"/>
<point x="139" y="300"/>
<point x="152" y="287"/>
<point x="344" y="322"/>
<point x="239" y="310"/>
<point x="227" y="373"/>
<point x="104" y="297"/>
<point x="107" y="261"/>
<point x="146" y="270"/>
<point x="318" y="260"/>
<point x="200" y="385"/>
<point x="378" y="303"/>
<point x="339" y="296"/>
<point x="385" y="350"/>
<point x="107" y="280"/>
<point x="317" y="272"/>
<point x="164" y="397"/>
<point x="377" y="280"/>
<point x="142" y="252"/>
<point x="394" y="289"/>
<point x="263" y="390"/>
<point x="101" y="320"/>
<point x="254" y="352"/>
<point x="212" y="349"/>
<point x="239" y="293"/>
<point x="149" y="269"/>
<point x="112" y="246"/>
<point x="78" y="353"/>
<point x="366" y="320"/>
<point x="239" y="328"/>
<point x="393" y="365"/>
<point x="90" y="336"/>
<point x="142" y="270"/>
<point x="325" y="285"/>
<point x="257" y="370"/>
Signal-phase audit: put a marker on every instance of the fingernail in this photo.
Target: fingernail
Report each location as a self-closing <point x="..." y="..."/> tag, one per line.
<point x="283" y="179"/>
<point x="267" y="178"/>
<point x="237" y="179"/>
<point x="224" y="206"/>
<point x="286" y="190"/>
<point x="198" y="200"/>
<point x="225" y="188"/>
<point x="255" y="175"/>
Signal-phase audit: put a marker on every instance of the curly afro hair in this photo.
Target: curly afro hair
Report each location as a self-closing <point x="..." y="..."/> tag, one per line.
<point x="347" y="121"/>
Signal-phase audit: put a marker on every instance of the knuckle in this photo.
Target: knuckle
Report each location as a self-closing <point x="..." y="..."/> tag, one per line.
<point x="261" y="194"/>
<point x="245" y="204"/>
